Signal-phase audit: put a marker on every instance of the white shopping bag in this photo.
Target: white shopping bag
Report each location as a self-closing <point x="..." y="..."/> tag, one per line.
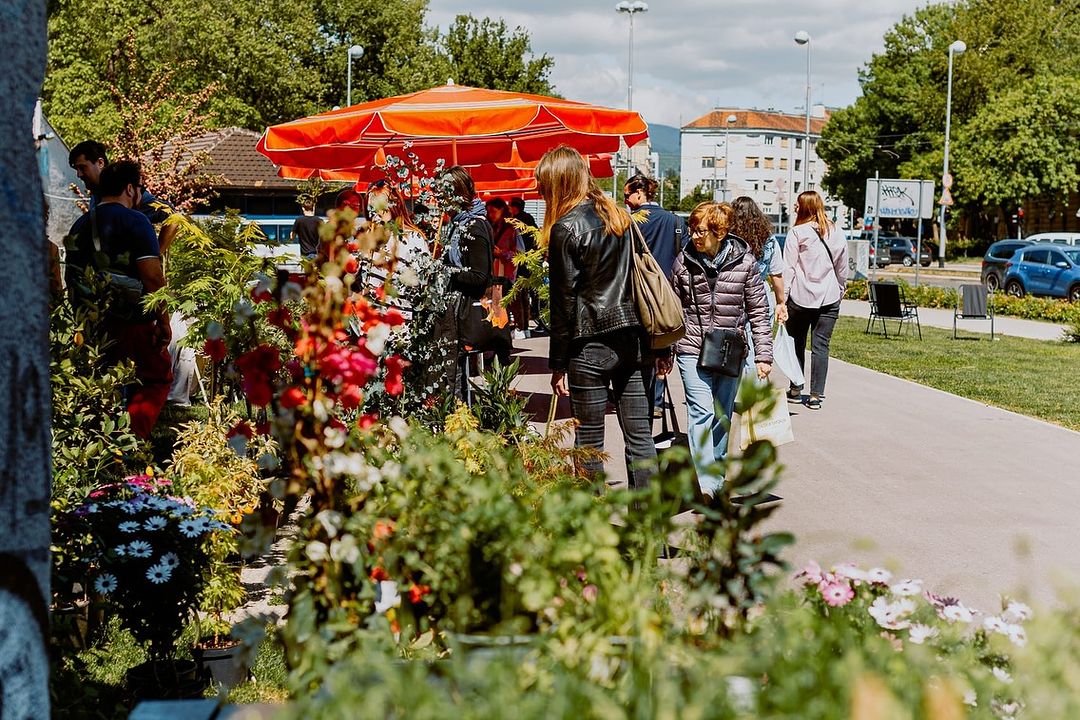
<point x="774" y="426"/>
<point x="784" y="357"/>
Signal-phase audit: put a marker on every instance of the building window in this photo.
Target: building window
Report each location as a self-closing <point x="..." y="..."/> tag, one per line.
<point x="769" y="139"/>
<point x="798" y="143"/>
<point x="753" y="162"/>
<point x="754" y="184"/>
<point x="783" y="163"/>
<point x="798" y="164"/>
<point x="798" y="187"/>
<point x="708" y="162"/>
<point x="769" y="163"/>
<point x="784" y="142"/>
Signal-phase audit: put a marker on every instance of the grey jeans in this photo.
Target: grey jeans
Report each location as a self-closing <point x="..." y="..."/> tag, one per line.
<point x="820" y="322"/>
<point x="609" y="367"/>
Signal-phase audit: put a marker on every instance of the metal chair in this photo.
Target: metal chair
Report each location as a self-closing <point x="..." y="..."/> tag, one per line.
<point x="973" y="302"/>
<point x="887" y="302"/>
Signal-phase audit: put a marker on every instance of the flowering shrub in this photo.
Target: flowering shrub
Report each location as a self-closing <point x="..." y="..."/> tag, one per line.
<point x="144" y="555"/>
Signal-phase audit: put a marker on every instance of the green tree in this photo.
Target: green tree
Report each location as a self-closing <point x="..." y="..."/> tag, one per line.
<point x="485" y="53"/>
<point x="1019" y="51"/>
<point x="697" y="195"/>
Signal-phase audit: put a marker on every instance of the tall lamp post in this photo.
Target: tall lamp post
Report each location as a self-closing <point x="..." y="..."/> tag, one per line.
<point x="946" y="180"/>
<point x="631" y="9"/>
<point x="354" y="52"/>
<point x="727" y="151"/>
<point x="803" y="38"/>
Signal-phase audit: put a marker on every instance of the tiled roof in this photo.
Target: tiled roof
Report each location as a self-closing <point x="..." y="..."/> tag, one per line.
<point x="233" y="159"/>
<point x="758" y="120"/>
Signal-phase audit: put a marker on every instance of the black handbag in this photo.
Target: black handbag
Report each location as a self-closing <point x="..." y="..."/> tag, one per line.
<point x="723" y="350"/>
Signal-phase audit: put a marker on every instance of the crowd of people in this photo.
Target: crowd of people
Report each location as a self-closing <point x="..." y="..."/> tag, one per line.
<point x="731" y="277"/>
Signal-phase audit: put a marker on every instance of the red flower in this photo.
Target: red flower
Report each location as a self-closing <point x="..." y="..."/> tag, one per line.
<point x="378" y="574"/>
<point x="351" y="397"/>
<point x="393" y="317"/>
<point x="417" y="593"/>
<point x="352" y="246"/>
<point x="364" y="422"/>
<point x="351" y="265"/>
<point x="279" y="317"/>
<point x="215" y="349"/>
<point x="241" y="428"/>
<point x="256" y="368"/>
<point x="293" y="397"/>
<point x="395" y="365"/>
<point x="260" y="296"/>
<point x="383" y="530"/>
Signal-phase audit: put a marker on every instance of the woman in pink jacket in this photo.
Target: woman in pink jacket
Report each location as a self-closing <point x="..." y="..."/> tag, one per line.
<point x="815" y="274"/>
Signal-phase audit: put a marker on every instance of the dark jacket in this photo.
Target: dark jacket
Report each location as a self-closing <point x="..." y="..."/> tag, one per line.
<point x="591" y="290"/>
<point x="664" y="233"/>
<point x="724" y="297"/>
<point x="474" y="277"/>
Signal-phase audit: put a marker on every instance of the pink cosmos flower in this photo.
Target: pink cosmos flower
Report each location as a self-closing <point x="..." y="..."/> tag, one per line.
<point x="837" y="594"/>
<point x="810" y="575"/>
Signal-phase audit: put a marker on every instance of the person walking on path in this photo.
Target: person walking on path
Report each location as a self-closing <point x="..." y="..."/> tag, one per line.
<point x="305" y="232"/>
<point x="815" y="275"/>
<point x="598" y="348"/>
<point x="665" y="235"/>
<point x="751" y="225"/>
<point x="718" y="283"/>
<point x="115" y="241"/>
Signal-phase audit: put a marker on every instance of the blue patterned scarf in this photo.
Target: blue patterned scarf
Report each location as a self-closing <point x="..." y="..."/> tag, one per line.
<point x="459" y="225"/>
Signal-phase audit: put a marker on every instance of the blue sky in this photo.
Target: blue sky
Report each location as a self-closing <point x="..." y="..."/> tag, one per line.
<point x="691" y="55"/>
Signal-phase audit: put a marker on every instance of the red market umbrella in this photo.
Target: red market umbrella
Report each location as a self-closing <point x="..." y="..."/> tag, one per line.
<point x="453" y="123"/>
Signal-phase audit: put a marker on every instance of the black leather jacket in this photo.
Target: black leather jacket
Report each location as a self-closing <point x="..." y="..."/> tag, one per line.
<point x="591" y="290"/>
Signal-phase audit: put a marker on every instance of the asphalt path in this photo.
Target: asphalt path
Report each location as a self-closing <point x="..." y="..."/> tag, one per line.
<point x="974" y="500"/>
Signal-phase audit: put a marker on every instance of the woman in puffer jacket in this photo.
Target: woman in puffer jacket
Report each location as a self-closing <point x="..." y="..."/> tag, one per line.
<point x="719" y="285"/>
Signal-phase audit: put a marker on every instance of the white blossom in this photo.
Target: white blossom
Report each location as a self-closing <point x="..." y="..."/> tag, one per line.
<point x="128" y="526"/>
<point x="317" y="551"/>
<point x="400" y="427"/>
<point x="878" y="576"/>
<point x="345" y="550"/>
<point x="1016" y="634"/>
<point x="386" y="596"/>
<point x="331" y="520"/>
<point x="105" y="583"/>
<point x="1001" y="674"/>
<point x="892" y="615"/>
<point x="376" y="338"/>
<point x="155" y="523"/>
<point x="958" y="613"/>
<point x="995" y="624"/>
<point x="334" y="437"/>
<point x="1017" y="612"/>
<point x="158" y="574"/>
<point x="139" y="549"/>
<point x="907" y="588"/>
<point x="919" y="634"/>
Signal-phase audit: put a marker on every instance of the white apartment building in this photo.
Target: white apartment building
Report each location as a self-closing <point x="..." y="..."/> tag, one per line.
<point x="760" y="154"/>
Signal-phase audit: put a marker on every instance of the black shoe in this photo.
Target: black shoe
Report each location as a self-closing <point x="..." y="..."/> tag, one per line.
<point x="794" y="394"/>
<point x="814" y="403"/>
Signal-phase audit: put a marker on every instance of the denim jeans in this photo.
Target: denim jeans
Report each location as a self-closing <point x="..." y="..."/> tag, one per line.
<point x="605" y="368"/>
<point x="820" y="322"/>
<point x="710" y="400"/>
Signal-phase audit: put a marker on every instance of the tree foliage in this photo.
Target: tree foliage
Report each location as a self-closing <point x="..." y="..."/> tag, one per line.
<point x="266" y="62"/>
<point x="1014" y="134"/>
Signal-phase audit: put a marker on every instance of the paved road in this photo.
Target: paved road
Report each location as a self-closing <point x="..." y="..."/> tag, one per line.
<point x="972" y="499"/>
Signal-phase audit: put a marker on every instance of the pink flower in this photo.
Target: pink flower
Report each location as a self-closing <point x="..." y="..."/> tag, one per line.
<point x="810" y="575"/>
<point x="837" y="594"/>
<point x="589" y="592"/>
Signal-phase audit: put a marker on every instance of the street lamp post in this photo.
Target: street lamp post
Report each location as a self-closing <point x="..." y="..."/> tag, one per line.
<point x="955" y="48"/>
<point x="631" y="9"/>
<point x="354" y="52"/>
<point x="727" y="152"/>
<point x="803" y="38"/>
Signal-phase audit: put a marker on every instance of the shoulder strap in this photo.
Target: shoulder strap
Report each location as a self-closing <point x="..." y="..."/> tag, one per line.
<point x="821" y="237"/>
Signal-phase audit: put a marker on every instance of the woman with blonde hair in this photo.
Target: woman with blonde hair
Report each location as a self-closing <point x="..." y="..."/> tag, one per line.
<point x="717" y="280"/>
<point x="598" y="348"/>
<point x="815" y="275"/>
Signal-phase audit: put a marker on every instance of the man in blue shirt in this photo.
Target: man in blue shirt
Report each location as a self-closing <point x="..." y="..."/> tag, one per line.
<point x="116" y="247"/>
<point x="665" y="234"/>
<point x="88" y="159"/>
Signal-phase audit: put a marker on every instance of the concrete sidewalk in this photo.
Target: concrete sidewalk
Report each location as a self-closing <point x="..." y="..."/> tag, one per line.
<point x="935" y="317"/>
<point x="972" y="499"/>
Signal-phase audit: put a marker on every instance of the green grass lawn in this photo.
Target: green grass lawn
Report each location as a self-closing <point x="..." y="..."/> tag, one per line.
<point x="1032" y="377"/>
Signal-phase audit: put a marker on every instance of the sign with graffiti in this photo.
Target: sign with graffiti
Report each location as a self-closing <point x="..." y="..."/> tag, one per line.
<point x="907" y="199"/>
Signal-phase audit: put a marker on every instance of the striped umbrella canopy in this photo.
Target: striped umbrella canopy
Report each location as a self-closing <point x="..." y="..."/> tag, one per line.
<point x="452" y="123"/>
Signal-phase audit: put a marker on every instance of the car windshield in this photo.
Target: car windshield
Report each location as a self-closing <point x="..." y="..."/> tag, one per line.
<point x="1073" y="255"/>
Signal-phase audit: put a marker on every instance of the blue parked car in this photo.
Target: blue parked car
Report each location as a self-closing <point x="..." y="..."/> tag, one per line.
<point x="1044" y="269"/>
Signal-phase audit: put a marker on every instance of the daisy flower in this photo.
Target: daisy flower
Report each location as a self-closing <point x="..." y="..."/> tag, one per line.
<point x="191" y="528"/>
<point x="1016" y="634"/>
<point x="996" y="624"/>
<point x="139" y="549"/>
<point x="957" y="613"/>
<point x="128" y="526"/>
<point x="878" y="576"/>
<point x="837" y="594"/>
<point x="906" y="588"/>
<point x="105" y="583"/>
<point x="155" y="523"/>
<point x="121" y="550"/>
<point x="1001" y="674"/>
<point x="1017" y="612"/>
<point x="158" y="574"/>
<point x="919" y="634"/>
<point x="169" y="560"/>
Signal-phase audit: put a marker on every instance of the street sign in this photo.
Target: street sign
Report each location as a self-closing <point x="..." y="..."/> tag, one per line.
<point x="946" y="198"/>
<point x="947" y="180"/>
<point x="900" y="198"/>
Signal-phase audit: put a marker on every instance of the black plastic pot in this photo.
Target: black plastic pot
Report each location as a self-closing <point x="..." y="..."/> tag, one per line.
<point x="166" y="680"/>
<point x="222" y="666"/>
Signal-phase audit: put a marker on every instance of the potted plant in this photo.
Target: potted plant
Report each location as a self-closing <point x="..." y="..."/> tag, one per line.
<point x="145" y="561"/>
<point x="212" y="464"/>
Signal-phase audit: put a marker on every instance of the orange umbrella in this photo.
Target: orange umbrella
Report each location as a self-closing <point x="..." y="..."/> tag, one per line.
<point x="453" y="123"/>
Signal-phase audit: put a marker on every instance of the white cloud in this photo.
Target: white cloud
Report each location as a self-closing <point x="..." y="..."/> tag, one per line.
<point x="691" y="55"/>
